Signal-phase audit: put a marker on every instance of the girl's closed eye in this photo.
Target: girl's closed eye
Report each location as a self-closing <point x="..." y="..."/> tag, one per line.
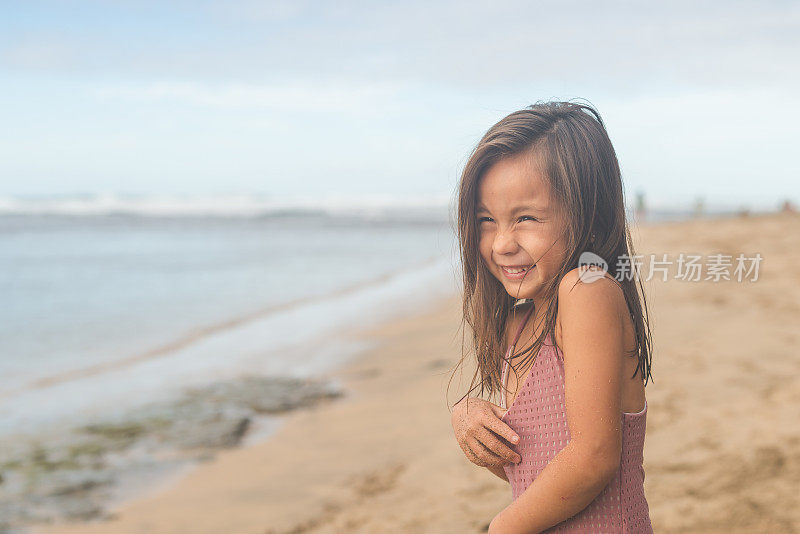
<point x="522" y="218"/>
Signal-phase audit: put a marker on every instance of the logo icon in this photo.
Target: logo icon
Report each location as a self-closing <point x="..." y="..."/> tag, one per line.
<point x="592" y="267"/>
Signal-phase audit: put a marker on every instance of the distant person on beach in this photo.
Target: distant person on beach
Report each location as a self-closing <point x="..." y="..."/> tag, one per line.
<point x="640" y="213"/>
<point x="543" y="238"/>
<point x="699" y="207"/>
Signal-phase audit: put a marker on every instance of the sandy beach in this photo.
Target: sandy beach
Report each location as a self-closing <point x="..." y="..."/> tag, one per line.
<point x="722" y="452"/>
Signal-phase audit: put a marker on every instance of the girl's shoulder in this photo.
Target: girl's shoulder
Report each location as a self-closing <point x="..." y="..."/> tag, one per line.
<point x="589" y="291"/>
<point x="586" y="274"/>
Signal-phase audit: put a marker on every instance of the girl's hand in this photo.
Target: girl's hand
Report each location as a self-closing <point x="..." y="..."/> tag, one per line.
<point x="483" y="437"/>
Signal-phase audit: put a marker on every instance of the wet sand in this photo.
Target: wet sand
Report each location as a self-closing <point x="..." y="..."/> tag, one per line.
<point x="722" y="452"/>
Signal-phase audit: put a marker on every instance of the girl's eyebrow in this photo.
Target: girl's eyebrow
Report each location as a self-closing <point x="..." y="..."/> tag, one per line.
<point x="515" y="210"/>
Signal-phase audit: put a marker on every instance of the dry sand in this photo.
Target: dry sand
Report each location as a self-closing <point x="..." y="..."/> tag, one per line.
<point x="722" y="452"/>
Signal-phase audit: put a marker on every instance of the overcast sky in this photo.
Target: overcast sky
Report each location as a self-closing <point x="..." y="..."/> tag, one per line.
<point x="356" y="98"/>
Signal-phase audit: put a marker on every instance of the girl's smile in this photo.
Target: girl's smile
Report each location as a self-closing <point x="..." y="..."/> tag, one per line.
<point x="517" y="272"/>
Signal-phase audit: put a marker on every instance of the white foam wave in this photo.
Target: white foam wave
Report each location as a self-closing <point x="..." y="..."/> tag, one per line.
<point x="227" y="205"/>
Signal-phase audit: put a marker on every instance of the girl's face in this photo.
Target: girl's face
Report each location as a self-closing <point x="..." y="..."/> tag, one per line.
<point x="519" y="225"/>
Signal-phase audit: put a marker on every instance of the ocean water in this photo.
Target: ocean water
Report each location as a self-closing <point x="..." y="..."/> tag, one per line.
<point x="105" y="310"/>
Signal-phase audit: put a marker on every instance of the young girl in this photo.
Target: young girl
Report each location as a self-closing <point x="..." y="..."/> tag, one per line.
<point x="540" y="193"/>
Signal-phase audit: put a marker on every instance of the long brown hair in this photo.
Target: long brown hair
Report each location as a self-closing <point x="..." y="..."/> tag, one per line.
<point x="584" y="176"/>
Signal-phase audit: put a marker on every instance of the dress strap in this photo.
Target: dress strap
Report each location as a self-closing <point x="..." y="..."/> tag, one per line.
<point x="506" y="360"/>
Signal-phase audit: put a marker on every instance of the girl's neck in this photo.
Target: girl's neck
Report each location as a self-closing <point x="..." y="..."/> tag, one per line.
<point x="533" y="326"/>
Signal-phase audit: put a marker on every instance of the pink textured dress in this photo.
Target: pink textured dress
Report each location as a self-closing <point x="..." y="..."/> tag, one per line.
<point x="538" y="416"/>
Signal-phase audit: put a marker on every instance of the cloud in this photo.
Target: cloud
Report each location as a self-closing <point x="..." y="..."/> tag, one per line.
<point x="622" y="46"/>
<point x="698" y="96"/>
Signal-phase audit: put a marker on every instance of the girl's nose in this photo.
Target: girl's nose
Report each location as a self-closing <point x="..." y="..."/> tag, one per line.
<point x="504" y="243"/>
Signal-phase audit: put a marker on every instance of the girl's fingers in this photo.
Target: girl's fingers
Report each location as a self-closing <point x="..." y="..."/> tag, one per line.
<point x="477" y="433"/>
<point x="474" y="452"/>
<point x="498" y="411"/>
<point x="501" y="429"/>
<point x="474" y="458"/>
<point x="498" y="449"/>
<point x="485" y="455"/>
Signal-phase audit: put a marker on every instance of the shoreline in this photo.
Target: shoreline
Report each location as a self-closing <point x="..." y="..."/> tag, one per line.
<point x="203" y="332"/>
<point x="722" y="452"/>
<point x="265" y="343"/>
